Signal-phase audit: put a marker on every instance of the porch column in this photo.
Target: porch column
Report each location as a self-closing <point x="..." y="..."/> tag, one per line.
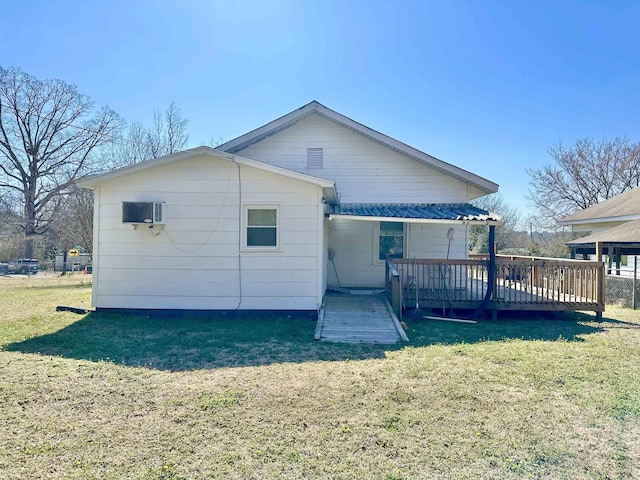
<point x="492" y="269"/>
<point x="599" y="280"/>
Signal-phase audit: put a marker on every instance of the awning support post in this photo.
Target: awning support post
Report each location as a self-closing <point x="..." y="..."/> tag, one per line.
<point x="492" y="269"/>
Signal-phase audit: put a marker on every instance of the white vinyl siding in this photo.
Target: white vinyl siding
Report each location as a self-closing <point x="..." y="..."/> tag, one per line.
<point x="196" y="261"/>
<point x="352" y="243"/>
<point x="430" y="241"/>
<point x="364" y="170"/>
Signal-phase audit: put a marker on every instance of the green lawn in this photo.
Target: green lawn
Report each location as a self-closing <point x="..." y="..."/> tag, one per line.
<point x="114" y="396"/>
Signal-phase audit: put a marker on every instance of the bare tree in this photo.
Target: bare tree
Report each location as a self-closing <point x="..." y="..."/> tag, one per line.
<point x="169" y="132"/>
<point x="215" y="142"/>
<point x="582" y="175"/>
<point x="176" y="128"/>
<point x="505" y="233"/>
<point x="167" y="135"/>
<point x="74" y="222"/>
<point x="131" y="149"/>
<point x="47" y="138"/>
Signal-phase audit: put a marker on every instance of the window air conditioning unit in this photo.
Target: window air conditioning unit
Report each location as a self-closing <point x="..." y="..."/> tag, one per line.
<point x="147" y="213"/>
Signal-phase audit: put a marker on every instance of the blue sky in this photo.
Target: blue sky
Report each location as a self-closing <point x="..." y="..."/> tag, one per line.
<point x="485" y="85"/>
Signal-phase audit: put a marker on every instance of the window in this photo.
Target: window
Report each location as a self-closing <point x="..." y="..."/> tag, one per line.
<point x="262" y="227"/>
<point x="391" y="240"/>
<point x="315" y="158"/>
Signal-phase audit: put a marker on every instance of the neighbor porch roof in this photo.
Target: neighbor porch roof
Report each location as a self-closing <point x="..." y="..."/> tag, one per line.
<point x="626" y="234"/>
<point x="464" y="213"/>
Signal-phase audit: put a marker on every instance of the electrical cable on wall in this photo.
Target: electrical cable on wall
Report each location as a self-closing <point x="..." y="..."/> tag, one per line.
<point x="239" y="234"/>
<point x="224" y="201"/>
<point x="215" y="227"/>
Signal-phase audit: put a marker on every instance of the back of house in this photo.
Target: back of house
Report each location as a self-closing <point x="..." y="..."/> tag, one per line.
<point x="271" y="219"/>
<point x="383" y="186"/>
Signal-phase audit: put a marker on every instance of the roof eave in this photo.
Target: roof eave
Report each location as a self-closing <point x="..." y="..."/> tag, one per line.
<point x="95" y="180"/>
<point x="585" y="221"/>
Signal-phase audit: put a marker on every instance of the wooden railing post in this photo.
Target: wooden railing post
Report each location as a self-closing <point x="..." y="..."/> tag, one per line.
<point x="386" y="277"/>
<point x="392" y="281"/>
<point x="396" y="296"/>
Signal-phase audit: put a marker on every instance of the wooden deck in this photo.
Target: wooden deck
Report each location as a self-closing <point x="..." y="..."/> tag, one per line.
<point x="358" y="319"/>
<point x="535" y="284"/>
<point x="508" y="295"/>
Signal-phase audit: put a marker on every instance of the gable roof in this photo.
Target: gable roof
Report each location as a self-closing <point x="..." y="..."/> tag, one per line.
<point x="622" y="207"/>
<point x="328" y="186"/>
<point x="317" y="108"/>
<point x="417" y="212"/>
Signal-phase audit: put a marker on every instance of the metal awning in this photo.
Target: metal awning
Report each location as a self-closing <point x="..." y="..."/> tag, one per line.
<point x="456" y="213"/>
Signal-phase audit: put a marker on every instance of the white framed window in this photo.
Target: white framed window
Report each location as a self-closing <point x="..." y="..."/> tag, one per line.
<point x="261" y="227"/>
<point x="389" y="240"/>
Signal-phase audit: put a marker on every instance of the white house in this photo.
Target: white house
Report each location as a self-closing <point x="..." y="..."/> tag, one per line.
<point x="272" y="218"/>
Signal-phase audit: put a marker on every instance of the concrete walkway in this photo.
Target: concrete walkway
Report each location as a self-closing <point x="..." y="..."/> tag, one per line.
<point x="358" y="319"/>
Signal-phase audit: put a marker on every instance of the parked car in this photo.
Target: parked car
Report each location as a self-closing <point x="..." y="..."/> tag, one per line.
<point x="4" y="268"/>
<point x="24" y="266"/>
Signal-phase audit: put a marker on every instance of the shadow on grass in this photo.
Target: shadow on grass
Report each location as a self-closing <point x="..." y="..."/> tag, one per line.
<point x="518" y="325"/>
<point x="179" y="343"/>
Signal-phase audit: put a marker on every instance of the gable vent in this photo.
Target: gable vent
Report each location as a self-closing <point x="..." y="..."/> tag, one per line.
<point x="314" y="158"/>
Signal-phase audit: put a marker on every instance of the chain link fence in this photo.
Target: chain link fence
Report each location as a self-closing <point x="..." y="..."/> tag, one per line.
<point x="622" y="291"/>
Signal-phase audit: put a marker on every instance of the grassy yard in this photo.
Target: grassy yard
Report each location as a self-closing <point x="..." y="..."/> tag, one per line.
<point x="108" y="396"/>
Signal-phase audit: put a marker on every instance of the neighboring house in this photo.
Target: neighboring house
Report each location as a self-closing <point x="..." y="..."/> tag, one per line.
<point x="270" y="219"/>
<point x="606" y="214"/>
<point x="614" y="224"/>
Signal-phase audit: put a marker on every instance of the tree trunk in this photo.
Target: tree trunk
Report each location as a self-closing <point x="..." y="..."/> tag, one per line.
<point x="30" y="220"/>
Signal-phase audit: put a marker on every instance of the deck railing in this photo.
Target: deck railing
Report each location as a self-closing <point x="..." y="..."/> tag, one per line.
<point x="520" y="283"/>
<point x="393" y="287"/>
